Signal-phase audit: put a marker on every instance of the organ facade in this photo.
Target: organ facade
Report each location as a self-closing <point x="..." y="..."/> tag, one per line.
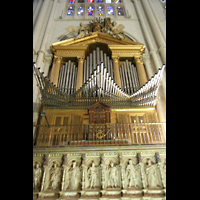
<point x="99" y="131"/>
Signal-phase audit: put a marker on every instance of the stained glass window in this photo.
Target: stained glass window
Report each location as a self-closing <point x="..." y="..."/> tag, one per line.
<point x="110" y="10"/>
<point x="70" y="10"/>
<point x="90" y="1"/>
<point x="99" y="1"/>
<point x="90" y="10"/>
<point x="71" y="1"/>
<point x="81" y="1"/>
<point x="163" y="1"/>
<point x="100" y="10"/>
<point x="108" y="1"/>
<point x="118" y="1"/>
<point x="120" y="11"/>
<point x="80" y="11"/>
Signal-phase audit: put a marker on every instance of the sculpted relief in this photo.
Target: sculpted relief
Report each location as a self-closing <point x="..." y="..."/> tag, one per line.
<point x="97" y="25"/>
<point x="72" y="176"/>
<point x="37" y="175"/>
<point x="106" y="173"/>
<point x="53" y="177"/>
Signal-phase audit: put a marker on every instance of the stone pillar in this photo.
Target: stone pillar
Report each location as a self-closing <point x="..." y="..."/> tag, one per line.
<point x="36" y="11"/>
<point x="155" y="30"/>
<point x="40" y="21"/>
<point x="116" y="70"/>
<point x="55" y="69"/>
<point x="79" y="79"/>
<point x="141" y="71"/>
<point x="149" y="70"/>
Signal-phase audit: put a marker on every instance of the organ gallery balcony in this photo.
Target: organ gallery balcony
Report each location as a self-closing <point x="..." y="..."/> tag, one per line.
<point x="101" y="134"/>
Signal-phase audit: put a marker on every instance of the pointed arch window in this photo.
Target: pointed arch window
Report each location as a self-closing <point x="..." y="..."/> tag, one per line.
<point x="70" y="10"/>
<point x="80" y="11"/>
<point x="120" y="11"/>
<point x="100" y="10"/>
<point x="110" y="10"/>
<point x="90" y="10"/>
<point x="71" y="1"/>
<point x="90" y="1"/>
<point x="99" y="1"/>
<point x="118" y="1"/>
<point x="81" y="1"/>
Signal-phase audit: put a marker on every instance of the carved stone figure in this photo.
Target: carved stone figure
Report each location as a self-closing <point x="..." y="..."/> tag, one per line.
<point x="75" y="177"/>
<point x="92" y="175"/>
<point x="131" y="174"/>
<point x="113" y="175"/>
<point x="152" y="175"/>
<point x="66" y="174"/>
<point x="37" y="174"/>
<point x="82" y="30"/>
<point x="55" y="177"/>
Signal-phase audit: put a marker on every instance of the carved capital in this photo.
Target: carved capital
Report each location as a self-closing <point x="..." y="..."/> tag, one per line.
<point x="58" y="59"/>
<point x="80" y="59"/>
<point x="138" y="59"/>
<point x="115" y="58"/>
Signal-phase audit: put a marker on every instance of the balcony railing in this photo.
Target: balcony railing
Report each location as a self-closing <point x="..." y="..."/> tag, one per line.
<point x="101" y="134"/>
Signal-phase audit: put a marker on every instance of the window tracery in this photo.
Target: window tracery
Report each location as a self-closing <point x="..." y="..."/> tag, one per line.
<point x="94" y="8"/>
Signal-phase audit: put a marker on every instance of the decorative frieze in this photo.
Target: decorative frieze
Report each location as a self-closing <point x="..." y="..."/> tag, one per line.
<point x="100" y="175"/>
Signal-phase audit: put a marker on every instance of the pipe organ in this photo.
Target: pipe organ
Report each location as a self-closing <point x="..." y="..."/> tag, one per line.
<point x="67" y="78"/>
<point x="129" y="78"/>
<point x="98" y="77"/>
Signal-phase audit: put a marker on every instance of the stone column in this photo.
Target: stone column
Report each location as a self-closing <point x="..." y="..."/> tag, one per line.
<point x="141" y="71"/>
<point x="79" y="79"/>
<point x="155" y="30"/>
<point x="55" y="69"/>
<point x="116" y="70"/>
<point x="36" y="11"/>
<point x="40" y="22"/>
<point x="147" y="63"/>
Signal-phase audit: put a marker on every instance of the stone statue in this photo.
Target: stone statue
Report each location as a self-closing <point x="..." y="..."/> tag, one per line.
<point x="113" y="175"/>
<point x="55" y="177"/>
<point x="152" y="175"/>
<point x="37" y="174"/>
<point x="75" y="177"/>
<point x="131" y="174"/>
<point x="66" y="174"/>
<point x="92" y="175"/>
<point x="82" y="30"/>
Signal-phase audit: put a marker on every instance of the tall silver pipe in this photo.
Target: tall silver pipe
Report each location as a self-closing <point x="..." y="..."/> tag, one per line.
<point x="66" y="76"/>
<point x="84" y="71"/>
<point x="104" y="61"/>
<point x="88" y="68"/>
<point x="98" y="56"/>
<point x="70" y="79"/>
<point x="132" y="77"/>
<point x="129" y="76"/>
<point x="127" y="81"/>
<point x="94" y="59"/>
<point x="124" y="78"/>
<point x="120" y="72"/>
<point x="136" y="77"/>
<point x="73" y="75"/>
<point x="90" y="64"/>
<point x="101" y="56"/>
<point x="108" y="64"/>
<point x="102" y="79"/>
